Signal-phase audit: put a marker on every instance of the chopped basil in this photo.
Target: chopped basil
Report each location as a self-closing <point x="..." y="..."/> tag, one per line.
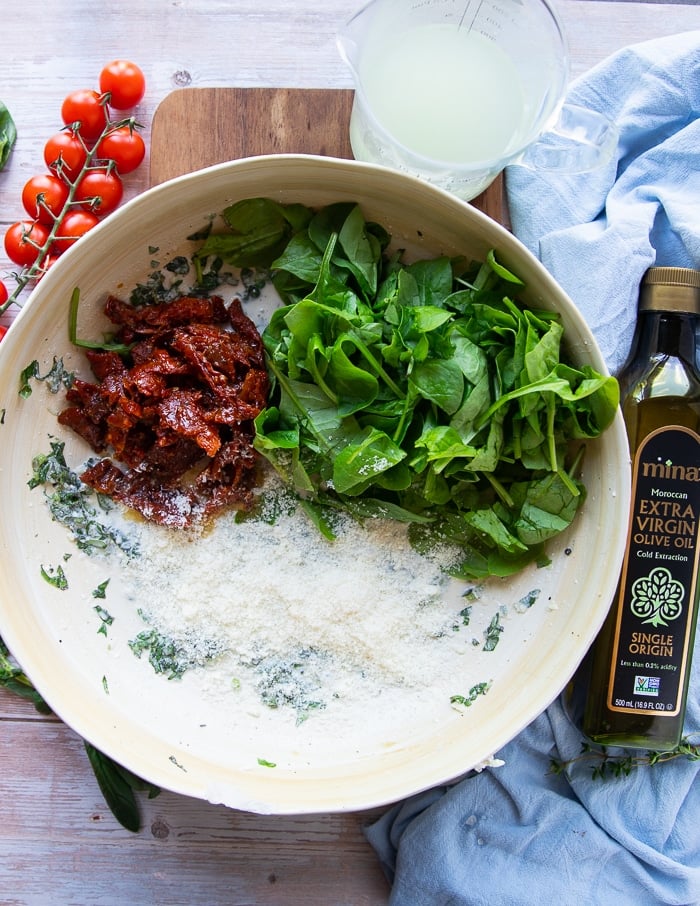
<point x="173" y="760"/>
<point x="178" y="265"/>
<point x="295" y="681"/>
<point x="466" y="701"/>
<point x="106" y="619"/>
<point x="171" y="656"/>
<point x="492" y="633"/>
<point x="101" y="590"/>
<point x="526" y="602"/>
<point x="75" y="505"/>
<point x="465" y="615"/>
<point x="55" y="378"/>
<point x="55" y="576"/>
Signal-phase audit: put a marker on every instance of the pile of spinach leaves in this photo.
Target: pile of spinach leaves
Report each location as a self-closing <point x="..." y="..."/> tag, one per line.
<point x="421" y="391"/>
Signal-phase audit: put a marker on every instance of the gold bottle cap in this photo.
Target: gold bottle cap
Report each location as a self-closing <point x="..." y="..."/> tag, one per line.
<point x="671" y="289"/>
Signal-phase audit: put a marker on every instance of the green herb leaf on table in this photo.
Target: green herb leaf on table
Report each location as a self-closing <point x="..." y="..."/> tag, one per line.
<point x="8" y="134"/>
<point x="117" y="785"/>
<point x="13" y="678"/>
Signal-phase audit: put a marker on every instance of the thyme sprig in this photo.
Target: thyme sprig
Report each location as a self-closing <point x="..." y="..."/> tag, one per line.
<point x="604" y="764"/>
<point x="37" y="270"/>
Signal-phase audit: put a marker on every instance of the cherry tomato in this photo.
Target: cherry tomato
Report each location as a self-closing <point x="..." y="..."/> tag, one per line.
<point x="100" y="191"/>
<point x="125" y="147"/>
<point x="74" y="225"/>
<point x="87" y="108"/>
<point x="3" y="331"/>
<point x="47" y="264"/>
<point x="125" y="83"/>
<point x="43" y="197"/>
<point x="4" y="295"/>
<point x="65" y="154"/>
<point x="23" y="241"/>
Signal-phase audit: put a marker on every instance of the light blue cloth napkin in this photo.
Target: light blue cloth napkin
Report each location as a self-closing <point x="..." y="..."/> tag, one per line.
<point x="598" y="233"/>
<point x="517" y="834"/>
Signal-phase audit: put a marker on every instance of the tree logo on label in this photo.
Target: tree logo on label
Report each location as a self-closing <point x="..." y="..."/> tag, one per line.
<point x="657" y="597"/>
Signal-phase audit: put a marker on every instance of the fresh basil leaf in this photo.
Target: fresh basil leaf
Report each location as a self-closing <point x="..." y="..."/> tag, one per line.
<point x="13" y="678"/>
<point x="8" y="134"/>
<point x="117" y="785"/>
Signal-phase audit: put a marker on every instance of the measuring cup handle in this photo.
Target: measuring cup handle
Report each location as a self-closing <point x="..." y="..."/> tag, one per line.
<point x="581" y="140"/>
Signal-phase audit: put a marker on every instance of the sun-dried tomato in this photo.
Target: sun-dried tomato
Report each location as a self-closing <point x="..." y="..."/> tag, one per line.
<point x="176" y="413"/>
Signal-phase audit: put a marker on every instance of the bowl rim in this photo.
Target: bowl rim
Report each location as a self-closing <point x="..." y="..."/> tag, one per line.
<point x="262" y="794"/>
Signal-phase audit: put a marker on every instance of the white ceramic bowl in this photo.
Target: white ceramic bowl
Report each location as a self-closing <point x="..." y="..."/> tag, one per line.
<point x="166" y="732"/>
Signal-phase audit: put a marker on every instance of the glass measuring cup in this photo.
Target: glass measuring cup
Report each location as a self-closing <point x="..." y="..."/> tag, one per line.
<point x="453" y="91"/>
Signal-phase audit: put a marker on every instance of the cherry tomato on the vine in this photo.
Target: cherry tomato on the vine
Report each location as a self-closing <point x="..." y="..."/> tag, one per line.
<point x="23" y="241"/>
<point x="64" y="153"/>
<point x="87" y="108"/>
<point x="125" y="83"/>
<point x="4" y="295"/>
<point x="125" y="147"/>
<point x="3" y="331"/>
<point x="44" y="196"/>
<point x="100" y="191"/>
<point x="47" y="264"/>
<point x="74" y="225"/>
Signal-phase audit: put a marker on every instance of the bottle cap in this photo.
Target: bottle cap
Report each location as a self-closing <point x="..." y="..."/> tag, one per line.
<point x="671" y="289"/>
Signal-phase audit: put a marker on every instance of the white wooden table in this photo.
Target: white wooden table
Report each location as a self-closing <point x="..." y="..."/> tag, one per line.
<point x="59" y="844"/>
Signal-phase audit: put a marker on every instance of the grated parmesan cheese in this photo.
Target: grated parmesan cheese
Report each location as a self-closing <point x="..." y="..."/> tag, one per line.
<point x="304" y="620"/>
<point x="274" y="622"/>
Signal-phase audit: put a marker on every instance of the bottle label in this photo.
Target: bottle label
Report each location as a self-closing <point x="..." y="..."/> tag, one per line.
<point x="657" y="598"/>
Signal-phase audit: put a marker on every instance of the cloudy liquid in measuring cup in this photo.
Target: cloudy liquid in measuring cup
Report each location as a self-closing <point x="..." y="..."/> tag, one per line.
<point x="444" y="92"/>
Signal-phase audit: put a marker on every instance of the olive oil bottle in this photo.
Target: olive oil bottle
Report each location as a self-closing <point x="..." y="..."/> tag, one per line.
<point x="640" y="662"/>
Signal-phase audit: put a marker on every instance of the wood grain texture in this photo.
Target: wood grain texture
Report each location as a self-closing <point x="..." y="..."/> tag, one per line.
<point x="197" y="127"/>
<point x="61" y="845"/>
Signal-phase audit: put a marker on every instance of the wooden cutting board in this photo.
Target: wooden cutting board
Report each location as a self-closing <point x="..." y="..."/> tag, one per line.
<point x="197" y="127"/>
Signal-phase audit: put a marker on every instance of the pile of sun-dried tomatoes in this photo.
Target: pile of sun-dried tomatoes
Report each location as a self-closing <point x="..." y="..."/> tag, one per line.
<point x="176" y="414"/>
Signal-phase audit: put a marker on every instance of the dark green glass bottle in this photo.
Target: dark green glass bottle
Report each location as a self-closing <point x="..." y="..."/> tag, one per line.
<point x="640" y="662"/>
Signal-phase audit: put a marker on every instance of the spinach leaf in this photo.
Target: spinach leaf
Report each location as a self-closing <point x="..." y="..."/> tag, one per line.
<point x="259" y="228"/>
